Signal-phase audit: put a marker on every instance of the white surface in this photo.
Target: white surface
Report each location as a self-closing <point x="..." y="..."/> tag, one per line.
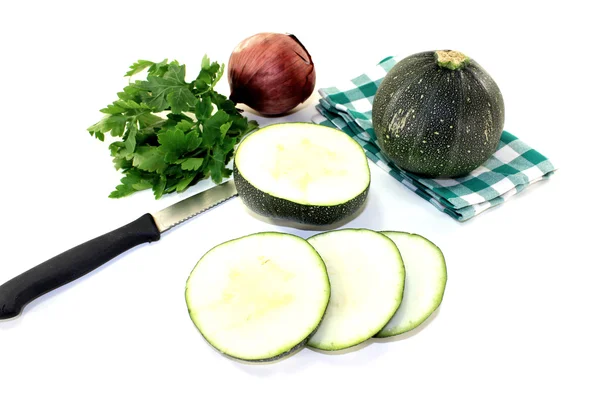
<point x="520" y="315"/>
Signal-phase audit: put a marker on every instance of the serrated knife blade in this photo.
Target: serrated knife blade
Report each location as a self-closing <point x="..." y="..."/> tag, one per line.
<point x="72" y="264"/>
<point x="188" y="208"/>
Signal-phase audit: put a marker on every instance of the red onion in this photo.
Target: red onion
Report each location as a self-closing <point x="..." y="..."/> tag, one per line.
<point x="271" y="73"/>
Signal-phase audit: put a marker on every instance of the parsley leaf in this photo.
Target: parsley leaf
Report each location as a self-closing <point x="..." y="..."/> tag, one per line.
<point x="138" y="67"/>
<point x="169" y="91"/>
<point x="212" y="128"/>
<point x="148" y="158"/>
<point x="168" y="133"/>
<point x="192" y="164"/>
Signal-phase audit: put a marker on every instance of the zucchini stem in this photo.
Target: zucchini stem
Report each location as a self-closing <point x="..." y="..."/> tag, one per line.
<point x="451" y="59"/>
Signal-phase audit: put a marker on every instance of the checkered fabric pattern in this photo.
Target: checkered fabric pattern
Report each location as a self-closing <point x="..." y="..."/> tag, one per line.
<point x="513" y="167"/>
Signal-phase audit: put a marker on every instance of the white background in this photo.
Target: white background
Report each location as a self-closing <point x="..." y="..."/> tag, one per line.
<point x="520" y="314"/>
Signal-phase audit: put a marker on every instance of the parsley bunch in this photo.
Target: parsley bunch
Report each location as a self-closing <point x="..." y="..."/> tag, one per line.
<point x="192" y="138"/>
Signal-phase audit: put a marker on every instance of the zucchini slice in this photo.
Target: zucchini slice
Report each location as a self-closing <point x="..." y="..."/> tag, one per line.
<point x="367" y="281"/>
<point x="259" y="297"/>
<point x="426" y="277"/>
<point x="301" y="172"/>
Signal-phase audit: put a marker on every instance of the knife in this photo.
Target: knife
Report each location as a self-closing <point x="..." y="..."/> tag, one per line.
<point x="80" y="260"/>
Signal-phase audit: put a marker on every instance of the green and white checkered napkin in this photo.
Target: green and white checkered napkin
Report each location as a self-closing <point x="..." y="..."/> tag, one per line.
<point x="513" y="167"/>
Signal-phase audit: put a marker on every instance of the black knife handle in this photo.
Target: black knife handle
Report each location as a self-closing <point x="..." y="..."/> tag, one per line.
<point x="73" y="264"/>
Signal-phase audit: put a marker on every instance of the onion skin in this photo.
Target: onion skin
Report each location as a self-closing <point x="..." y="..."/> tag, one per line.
<point x="271" y="73"/>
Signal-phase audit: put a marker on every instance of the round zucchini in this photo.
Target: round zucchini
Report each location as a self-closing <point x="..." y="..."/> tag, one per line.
<point x="438" y="114"/>
<point x="367" y="273"/>
<point x="260" y="297"/>
<point x="425" y="285"/>
<point x="301" y="172"/>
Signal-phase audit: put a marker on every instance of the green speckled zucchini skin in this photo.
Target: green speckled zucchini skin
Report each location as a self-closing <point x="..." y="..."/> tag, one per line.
<point x="438" y="122"/>
<point x="274" y="207"/>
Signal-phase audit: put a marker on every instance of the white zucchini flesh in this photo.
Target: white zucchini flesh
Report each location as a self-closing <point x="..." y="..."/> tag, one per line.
<point x="304" y="163"/>
<point x="367" y="281"/>
<point x="258" y="297"/>
<point x="426" y="277"/>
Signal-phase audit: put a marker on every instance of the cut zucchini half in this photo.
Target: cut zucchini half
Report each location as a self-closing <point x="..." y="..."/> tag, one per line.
<point x="302" y="172"/>
<point x="259" y="297"/>
<point x="426" y="277"/>
<point x="367" y="281"/>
